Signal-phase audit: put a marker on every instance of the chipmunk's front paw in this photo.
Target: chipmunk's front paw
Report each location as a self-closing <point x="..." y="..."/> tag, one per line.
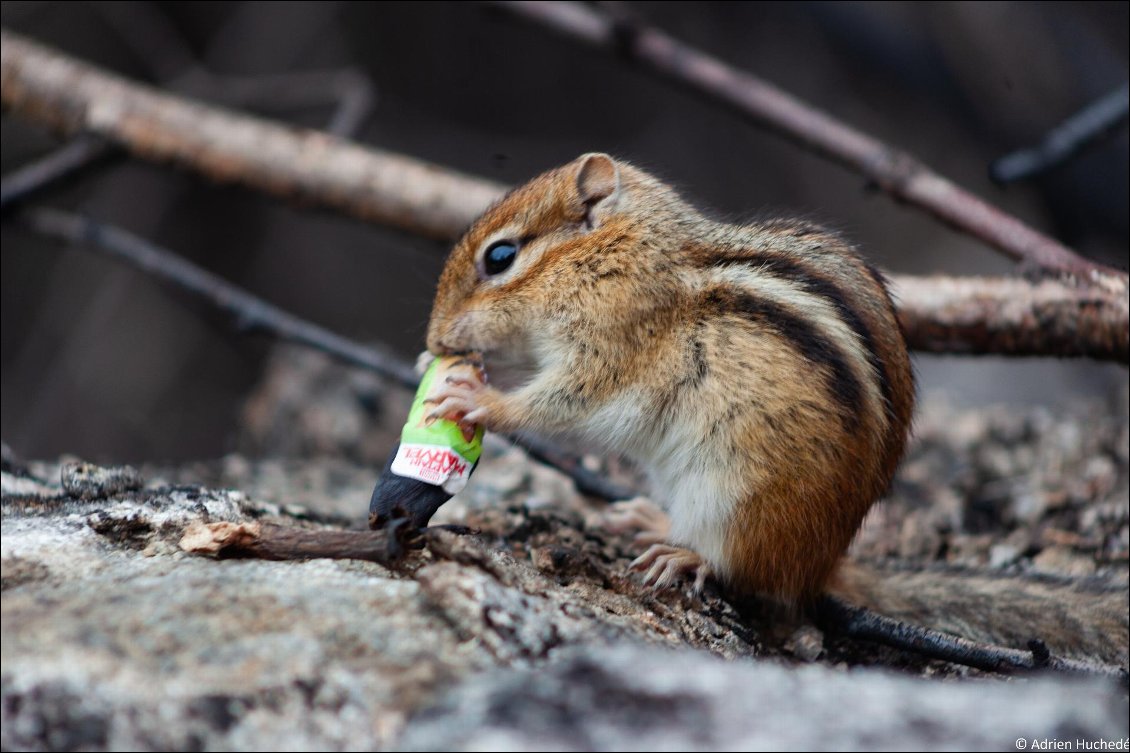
<point x="465" y="401"/>
<point x="664" y="563"/>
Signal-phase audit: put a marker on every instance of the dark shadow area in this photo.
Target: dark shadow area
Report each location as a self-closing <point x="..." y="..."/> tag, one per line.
<point x="99" y="361"/>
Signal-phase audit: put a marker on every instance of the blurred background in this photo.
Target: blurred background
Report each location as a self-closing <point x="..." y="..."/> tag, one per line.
<point x="99" y="361"/>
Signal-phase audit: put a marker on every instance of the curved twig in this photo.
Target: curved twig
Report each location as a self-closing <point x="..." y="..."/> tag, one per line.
<point x="251" y="312"/>
<point x="80" y="152"/>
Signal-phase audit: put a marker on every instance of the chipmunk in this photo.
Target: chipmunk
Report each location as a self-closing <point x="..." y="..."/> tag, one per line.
<point x="756" y="373"/>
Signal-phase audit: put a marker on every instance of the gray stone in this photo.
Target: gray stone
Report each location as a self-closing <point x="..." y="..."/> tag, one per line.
<point x="648" y="698"/>
<point x="531" y="636"/>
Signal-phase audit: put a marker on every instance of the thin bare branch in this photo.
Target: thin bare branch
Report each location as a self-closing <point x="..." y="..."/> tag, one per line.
<point x="895" y="172"/>
<point x="1063" y="142"/>
<point x="348" y="89"/>
<point x="302" y="165"/>
<point x="842" y="618"/>
<point x="1013" y="316"/>
<point x="157" y="43"/>
<point x="586" y="481"/>
<point x="252" y="313"/>
<point x="30" y="179"/>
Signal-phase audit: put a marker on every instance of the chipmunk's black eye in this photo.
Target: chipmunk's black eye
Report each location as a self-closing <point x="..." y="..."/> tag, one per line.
<point x="499" y="257"/>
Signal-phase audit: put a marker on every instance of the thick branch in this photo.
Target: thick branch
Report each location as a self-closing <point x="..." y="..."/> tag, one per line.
<point x="156" y="42"/>
<point x="1013" y="316"/>
<point x="895" y="172"/>
<point x="309" y="166"/>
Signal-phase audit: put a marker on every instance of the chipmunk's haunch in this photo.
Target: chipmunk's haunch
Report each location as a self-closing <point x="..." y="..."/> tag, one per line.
<point x="757" y="373"/>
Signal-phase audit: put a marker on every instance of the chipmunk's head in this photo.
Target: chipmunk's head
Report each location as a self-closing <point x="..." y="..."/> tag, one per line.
<point x="552" y="257"/>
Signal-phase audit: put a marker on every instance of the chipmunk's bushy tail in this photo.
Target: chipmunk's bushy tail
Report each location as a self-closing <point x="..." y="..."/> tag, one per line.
<point x="1078" y="618"/>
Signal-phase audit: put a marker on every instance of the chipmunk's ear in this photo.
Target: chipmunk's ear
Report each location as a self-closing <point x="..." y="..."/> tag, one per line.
<point x="598" y="186"/>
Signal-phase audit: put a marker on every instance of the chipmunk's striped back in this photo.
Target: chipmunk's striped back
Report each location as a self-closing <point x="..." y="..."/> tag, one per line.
<point x="832" y="395"/>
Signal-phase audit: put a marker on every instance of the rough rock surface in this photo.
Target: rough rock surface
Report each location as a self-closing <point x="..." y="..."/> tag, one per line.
<point x="632" y="698"/>
<point x="531" y="635"/>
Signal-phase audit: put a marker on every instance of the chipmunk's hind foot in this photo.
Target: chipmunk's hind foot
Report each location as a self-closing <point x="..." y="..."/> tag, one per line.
<point x="665" y="563"/>
<point x="638" y="514"/>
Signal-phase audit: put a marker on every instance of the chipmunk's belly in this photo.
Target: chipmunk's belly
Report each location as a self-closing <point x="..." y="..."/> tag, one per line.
<point x="698" y="495"/>
<point x="700" y="506"/>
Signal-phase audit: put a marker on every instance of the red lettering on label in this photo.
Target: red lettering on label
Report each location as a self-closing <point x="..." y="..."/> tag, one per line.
<point x="435" y="461"/>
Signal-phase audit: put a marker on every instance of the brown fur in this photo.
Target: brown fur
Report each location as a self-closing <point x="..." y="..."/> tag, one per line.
<point x="797" y="423"/>
<point x="757" y="372"/>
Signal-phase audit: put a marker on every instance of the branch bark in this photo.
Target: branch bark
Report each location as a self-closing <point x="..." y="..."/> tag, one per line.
<point x="302" y="165"/>
<point x="1013" y="316"/>
<point x="1037" y="318"/>
<point x="275" y="542"/>
<point x="896" y="172"/>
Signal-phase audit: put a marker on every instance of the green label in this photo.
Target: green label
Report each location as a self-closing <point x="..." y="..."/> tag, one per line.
<point x="441" y="431"/>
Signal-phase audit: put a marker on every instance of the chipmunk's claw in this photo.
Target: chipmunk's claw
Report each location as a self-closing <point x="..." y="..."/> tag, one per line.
<point x="462" y="381"/>
<point x="454" y="401"/>
<point x="466" y="401"/>
<point x="665" y="563"/>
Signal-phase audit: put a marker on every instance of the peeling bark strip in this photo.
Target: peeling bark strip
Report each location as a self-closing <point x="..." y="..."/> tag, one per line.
<point x="1043" y="318"/>
<point x="896" y="172"/>
<point x="294" y="163"/>
<point x="274" y="542"/>
<point x="1014" y="316"/>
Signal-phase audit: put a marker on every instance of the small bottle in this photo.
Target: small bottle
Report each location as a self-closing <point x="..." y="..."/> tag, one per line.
<point x="433" y="460"/>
